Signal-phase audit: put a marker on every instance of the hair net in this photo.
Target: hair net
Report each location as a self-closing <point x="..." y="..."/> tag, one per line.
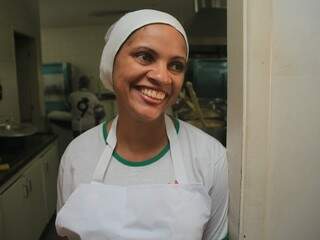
<point x="118" y="33"/>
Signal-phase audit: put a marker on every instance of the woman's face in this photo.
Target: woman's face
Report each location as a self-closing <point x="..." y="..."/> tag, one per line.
<point x="149" y="70"/>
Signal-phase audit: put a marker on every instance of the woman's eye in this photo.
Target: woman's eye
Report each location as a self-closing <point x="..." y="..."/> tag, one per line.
<point x="144" y="57"/>
<point x="177" y="66"/>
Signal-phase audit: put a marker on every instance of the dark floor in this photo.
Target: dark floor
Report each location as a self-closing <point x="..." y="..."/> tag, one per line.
<point x="50" y="231"/>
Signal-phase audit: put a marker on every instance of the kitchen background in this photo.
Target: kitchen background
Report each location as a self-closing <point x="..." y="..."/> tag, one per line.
<point x="273" y="101"/>
<point x="71" y="45"/>
<point x="45" y="47"/>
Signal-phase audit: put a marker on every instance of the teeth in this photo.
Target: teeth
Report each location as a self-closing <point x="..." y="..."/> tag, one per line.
<point x="153" y="93"/>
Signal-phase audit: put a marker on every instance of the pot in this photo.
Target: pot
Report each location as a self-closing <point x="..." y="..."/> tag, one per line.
<point x="12" y="135"/>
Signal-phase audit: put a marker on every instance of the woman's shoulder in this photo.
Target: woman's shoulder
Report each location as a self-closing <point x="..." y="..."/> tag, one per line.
<point x="86" y="145"/>
<point x="198" y="138"/>
<point x="202" y="153"/>
<point x="89" y="137"/>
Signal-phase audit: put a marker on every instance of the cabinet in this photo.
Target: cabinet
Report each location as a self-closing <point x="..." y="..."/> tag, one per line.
<point x="1" y="222"/>
<point x="14" y="203"/>
<point x="25" y="203"/>
<point x="23" y="206"/>
<point x="50" y="166"/>
<point x="36" y="207"/>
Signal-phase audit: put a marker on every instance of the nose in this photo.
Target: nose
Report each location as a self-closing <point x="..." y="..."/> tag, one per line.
<point x="159" y="74"/>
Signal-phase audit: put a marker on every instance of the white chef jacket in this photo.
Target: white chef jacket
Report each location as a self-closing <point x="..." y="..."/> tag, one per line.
<point x="205" y="162"/>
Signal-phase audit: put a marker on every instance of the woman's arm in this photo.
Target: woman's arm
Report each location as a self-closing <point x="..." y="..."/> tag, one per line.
<point x="62" y="190"/>
<point x="217" y="227"/>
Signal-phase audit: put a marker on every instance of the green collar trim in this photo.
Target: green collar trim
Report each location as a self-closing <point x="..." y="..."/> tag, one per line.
<point x="145" y="162"/>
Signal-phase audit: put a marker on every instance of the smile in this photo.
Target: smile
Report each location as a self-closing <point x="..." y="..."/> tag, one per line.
<point x="152" y="93"/>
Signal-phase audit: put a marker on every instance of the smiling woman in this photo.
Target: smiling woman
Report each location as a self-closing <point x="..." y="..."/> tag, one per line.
<point x="144" y="175"/>
<point x="148" y="72"/>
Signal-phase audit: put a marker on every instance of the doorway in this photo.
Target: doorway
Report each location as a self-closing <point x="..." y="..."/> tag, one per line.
<point x="26" y="71"/>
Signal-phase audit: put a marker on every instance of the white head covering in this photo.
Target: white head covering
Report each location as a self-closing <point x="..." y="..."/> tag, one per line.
<point x="118" y="33"/>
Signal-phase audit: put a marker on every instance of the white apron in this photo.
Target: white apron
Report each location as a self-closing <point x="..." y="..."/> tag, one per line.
<point x="97" y="211"/>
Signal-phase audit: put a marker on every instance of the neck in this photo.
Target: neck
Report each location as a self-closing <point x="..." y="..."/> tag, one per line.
<point x="138" y="139"/>
<point x="138" y="133"/>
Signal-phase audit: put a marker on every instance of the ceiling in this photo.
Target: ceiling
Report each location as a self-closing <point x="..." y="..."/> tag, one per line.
<point x="71" y="13"/>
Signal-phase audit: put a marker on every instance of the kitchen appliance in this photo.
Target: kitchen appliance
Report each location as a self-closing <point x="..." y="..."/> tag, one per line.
<point x="57" y="85"/>
<point x="12" y="134"/>
<point x="209" y="77"/>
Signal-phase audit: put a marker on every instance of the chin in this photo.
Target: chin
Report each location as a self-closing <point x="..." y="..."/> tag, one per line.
<point x="141" y="112"/>
<point x="148" y="116"/>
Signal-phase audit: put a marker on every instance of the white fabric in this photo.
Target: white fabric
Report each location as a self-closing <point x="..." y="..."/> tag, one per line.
<point x="165" y="211"/>
<point x="204" y="161"/>
<point x="118" y="33"/>
<point x="146" y="212"/>
<point x="159" y="172"/>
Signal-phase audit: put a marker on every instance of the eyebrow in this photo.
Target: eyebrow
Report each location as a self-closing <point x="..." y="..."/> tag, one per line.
<point x="156" y="54"/>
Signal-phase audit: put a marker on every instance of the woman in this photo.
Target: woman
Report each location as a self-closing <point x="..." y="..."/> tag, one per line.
<point x="144" y="175"/>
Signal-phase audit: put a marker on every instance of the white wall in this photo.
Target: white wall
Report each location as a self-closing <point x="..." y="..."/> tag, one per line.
<point x="280" y="162"/>
<point x="292" y="209"/>
<point x="23" y="17"/>
<point x="235" y="111"/>
<point x="81" y="46"/>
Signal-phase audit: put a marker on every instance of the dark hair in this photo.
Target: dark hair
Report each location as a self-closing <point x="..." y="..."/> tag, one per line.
<point x="84" y="82"/>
